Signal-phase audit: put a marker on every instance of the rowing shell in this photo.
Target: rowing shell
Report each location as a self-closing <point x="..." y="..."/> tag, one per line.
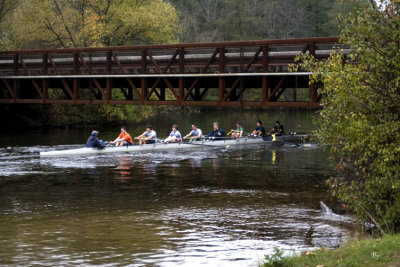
<point x="175" y="146"/>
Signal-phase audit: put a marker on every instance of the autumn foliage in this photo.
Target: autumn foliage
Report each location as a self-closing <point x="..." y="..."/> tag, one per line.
<point x="76" y="23"/>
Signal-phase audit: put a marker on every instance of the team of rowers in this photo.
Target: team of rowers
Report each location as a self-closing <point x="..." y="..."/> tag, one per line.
<point x="150" y="136"/>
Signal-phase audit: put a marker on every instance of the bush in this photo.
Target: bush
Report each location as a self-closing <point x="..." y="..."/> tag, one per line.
<point x="360" y="115"/>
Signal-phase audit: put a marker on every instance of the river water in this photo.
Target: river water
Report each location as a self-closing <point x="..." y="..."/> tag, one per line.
<point x="216" y="207"/>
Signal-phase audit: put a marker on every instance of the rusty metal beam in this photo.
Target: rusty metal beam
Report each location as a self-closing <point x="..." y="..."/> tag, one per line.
<point x="163" y="72"/>
<point x="204" y="68"/>
<point x="173" y="102"/>
<point x="133" y="86"/>
<point x="89" y="69"/>
<point x="7" y="85"/>
<point x="276" y="88"/>
<point x="29" y="74"/>
<point x="175" y="75"/>
<point x="67" y="89"/>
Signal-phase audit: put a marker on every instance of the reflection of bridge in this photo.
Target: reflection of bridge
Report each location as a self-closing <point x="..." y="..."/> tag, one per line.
<point x="249" y="73"/>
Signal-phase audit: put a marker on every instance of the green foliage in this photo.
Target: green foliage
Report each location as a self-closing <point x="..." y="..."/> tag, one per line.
<point x="360" y="118"/>
<point x="60" y="115"/>
<point x="367" y="253"/>
<point x="275" y="260"/>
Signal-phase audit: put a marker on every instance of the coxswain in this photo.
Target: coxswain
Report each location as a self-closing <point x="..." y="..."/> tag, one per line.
<point x="94" y="142"/>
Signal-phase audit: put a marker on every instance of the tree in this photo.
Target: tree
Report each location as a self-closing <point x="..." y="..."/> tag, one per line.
<point x="81" y="23"/>
<point x="361" y="114"/>
<point x="6" y="7"/>
<point x="230" y="20"/>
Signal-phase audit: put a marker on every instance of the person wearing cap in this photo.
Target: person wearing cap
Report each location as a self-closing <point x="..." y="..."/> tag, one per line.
<point x="94" y="142"/>
<point x="123" y="138"/>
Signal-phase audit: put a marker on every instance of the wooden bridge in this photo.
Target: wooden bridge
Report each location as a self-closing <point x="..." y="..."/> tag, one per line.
<point x="249" y="73"/>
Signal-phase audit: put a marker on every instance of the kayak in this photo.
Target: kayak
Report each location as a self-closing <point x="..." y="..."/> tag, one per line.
<point x="225" y="142"/>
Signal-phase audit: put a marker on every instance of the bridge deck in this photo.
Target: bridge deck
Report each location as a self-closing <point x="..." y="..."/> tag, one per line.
<point x="251" y="73"/>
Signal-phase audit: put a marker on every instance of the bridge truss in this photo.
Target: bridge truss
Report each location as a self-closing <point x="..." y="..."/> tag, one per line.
<point x="249" y="73"/>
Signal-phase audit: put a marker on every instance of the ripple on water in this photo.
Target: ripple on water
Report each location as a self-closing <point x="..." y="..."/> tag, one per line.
<point x="237" y="231"/>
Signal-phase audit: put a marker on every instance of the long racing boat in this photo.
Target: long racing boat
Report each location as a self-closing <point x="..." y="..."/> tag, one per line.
<point x="223" y="142"/>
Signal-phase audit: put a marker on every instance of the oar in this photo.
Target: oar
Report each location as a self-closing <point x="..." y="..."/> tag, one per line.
<point x="109" y="143"/>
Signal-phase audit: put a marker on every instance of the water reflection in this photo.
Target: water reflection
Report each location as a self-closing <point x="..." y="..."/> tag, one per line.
<point x="124" y="167"/>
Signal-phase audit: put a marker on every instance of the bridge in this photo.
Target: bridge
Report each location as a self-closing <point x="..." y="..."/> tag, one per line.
<point x="242" y="74"/>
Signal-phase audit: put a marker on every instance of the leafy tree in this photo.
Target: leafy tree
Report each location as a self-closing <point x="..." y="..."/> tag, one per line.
<point x="361" y="114"/>
<point x="81" y="23"/>
<point x="6" y="7"/>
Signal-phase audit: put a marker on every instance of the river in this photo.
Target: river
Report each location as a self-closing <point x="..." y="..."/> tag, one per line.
<point x="215" y="207"/>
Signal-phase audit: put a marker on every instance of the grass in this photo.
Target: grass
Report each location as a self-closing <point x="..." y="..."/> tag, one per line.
<point x="384" y="251"/>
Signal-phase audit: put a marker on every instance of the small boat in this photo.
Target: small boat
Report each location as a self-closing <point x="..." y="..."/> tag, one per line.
<point x="223" y="142"/>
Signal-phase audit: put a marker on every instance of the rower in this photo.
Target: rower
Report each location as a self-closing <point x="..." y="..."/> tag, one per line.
<point x="94" y="142"/>
<point x="123" y="138"/>
<point x="216" y="132"/>
<point x="174" y="136"/>
<point x="195" y="134"/>
<point x="277" y="130"/>
<point x="148" y="137"/>
<point x="239" y="130"/>
<point x="259" y="130"/>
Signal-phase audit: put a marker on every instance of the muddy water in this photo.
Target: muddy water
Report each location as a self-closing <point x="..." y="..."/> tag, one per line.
<point x="216" y="207"/>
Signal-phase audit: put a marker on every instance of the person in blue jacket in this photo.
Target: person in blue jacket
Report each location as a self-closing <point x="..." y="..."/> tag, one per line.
<point x="216" y="132"/>
<point x="94" y="142"/>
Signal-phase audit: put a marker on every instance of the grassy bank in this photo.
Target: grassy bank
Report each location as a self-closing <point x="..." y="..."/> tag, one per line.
<point x="384" y="251"/>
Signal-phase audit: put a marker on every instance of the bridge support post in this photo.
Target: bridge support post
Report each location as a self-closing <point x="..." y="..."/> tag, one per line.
<point x="265" y="85"/>
<point x="221" y="69"/>
<point x="45" y="81"/>
<point x="16" y="73"/>
<point x="181" y="70"/>
<point x="75" y="81"/>
<point x="108" y="80"/>
<point x="143" y="71"/>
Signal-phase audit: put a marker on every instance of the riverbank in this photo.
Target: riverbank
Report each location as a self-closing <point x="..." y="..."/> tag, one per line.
<point x="383" y="251"/>
<point x="49" y="116"/>
<point x="30" y="116"/>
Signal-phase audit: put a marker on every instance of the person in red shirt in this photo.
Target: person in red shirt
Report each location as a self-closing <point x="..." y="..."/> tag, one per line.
<point x="123" y="139"/>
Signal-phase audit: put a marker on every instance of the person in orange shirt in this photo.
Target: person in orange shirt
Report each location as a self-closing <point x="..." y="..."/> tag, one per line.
<point x="123" y="139"/>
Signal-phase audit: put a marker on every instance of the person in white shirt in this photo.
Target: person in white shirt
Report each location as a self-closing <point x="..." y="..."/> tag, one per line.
<point x="148" y="137"/>
<point x="174" y="136"/>
<point x="196" y="133"/>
